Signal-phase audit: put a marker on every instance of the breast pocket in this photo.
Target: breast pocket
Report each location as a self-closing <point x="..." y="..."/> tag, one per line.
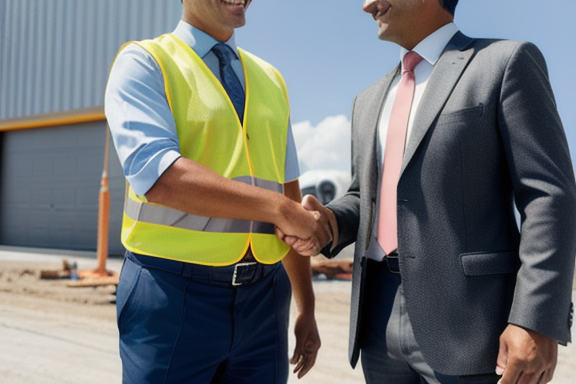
<point x="464" y="115"/>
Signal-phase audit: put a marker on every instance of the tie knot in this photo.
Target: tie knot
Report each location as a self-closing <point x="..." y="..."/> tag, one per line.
<point x="222" y="51"/>
<point x="411" y="60"/>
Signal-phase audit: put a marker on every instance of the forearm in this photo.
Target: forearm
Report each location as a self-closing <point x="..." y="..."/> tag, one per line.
<point x="195" y="189"/>
<point x="298" y="268"/>
<point x="300" y="274"/>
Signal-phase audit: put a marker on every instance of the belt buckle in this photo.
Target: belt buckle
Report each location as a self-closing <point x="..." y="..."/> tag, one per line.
<point x="237" y="284"/>
<point x="392" y="256"/>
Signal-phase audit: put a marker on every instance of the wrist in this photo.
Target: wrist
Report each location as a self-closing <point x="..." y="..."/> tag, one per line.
<point x="307" y="310"/>
<point x="286" y="209"/>
<point x="333" y="226"/>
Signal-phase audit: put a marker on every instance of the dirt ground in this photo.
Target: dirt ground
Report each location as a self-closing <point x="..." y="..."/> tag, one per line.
<point x="52" y="333"/>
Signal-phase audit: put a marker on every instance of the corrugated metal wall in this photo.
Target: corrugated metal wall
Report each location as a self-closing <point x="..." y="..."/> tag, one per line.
<point x="55" y="54"/>
<point x="54" y="57"/>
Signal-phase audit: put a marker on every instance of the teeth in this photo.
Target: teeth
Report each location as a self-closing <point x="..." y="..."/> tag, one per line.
<point x="234" y="2"/>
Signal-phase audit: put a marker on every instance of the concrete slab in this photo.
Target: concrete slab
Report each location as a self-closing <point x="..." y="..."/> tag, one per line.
<point x="74" y="343"/>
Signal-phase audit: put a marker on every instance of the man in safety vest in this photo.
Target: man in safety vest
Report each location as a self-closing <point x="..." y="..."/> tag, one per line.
<point x="202" y="129"/>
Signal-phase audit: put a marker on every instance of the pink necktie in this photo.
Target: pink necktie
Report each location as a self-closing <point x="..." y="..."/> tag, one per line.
<point x="395" y="142"/>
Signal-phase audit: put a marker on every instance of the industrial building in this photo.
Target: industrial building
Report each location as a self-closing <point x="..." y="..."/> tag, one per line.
<point x="54" y="60"/>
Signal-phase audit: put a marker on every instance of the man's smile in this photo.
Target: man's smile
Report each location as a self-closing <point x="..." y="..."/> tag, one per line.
<point x="235" y="2"/>
<point x="383" y="12"/>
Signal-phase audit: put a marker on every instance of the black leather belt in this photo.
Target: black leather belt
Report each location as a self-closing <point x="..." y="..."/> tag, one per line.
<point x="235" y="275"/>
<point x="392" y="262"/>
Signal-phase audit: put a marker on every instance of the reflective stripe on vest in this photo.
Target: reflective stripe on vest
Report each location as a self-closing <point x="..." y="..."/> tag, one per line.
<point x="157" y="214"/>
<point x="211" y="134"/>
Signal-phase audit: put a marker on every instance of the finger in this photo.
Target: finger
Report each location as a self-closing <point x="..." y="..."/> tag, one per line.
<point x="290" y="240"/>
<point x="547" y="376"/>
<point x="299" y="365"/>
<point x="535" y="378"/>
<point x="308" y="247"/>
<point x="280" y="234"/>
<point x="549" y="373"/>
<point x="511" y="376"/>
<point x="298" y="351"/>
<point x="303" y="247"/>
<point x="295" y="358"/>
<point x="307" y="364"/>
<point x="502" y="359"/>
<point x="529" y="378"/>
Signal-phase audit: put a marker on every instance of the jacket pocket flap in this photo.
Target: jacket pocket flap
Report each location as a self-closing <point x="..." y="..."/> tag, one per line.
<point x="494" y="263"/>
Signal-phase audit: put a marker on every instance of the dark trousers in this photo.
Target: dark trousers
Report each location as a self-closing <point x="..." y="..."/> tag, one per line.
<point x="192" y="326"/>
<point x="389" y="351"/>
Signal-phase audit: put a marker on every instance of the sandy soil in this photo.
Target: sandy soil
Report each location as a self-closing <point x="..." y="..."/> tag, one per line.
<point x="52" y="333"/>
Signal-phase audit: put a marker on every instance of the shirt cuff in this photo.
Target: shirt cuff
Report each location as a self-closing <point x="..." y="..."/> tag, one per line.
<point x="144" y="180"/>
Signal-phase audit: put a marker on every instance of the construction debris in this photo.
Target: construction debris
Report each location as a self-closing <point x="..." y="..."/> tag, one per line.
<point x="65" y="273"/>
<point x="81" y="278"/>
<point x="332" y="269"/>
<point x="95" y="282"/>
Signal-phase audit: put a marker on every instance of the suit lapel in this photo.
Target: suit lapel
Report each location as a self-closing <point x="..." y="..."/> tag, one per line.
<point x="444" y="77"/>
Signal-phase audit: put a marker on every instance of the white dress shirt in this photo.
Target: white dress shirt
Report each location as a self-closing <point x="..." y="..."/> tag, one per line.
<point x="430" y="49"/>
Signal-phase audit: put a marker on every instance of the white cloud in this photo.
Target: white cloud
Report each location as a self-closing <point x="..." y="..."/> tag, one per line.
<point x="325" y="146"/>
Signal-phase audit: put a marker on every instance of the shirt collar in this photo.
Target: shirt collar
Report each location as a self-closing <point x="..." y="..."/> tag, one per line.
<point x="198" y="40"/>
<point x="432" y="46"/>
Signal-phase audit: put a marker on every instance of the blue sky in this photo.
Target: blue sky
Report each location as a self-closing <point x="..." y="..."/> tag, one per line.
<point x="328" y="52"/>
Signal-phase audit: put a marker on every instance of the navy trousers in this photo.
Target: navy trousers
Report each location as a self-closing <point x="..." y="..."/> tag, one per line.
<point x="182" y="326"/>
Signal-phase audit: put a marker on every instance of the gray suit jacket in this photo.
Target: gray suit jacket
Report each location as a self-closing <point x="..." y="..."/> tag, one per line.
<point x="486" y="137"/>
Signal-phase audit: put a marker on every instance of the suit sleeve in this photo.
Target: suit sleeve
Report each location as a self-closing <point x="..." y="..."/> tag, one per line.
<point x="347" y="208"/>
<point x="545" y="194"/>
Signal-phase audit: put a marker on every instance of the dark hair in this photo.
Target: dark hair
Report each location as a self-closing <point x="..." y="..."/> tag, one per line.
<point x="449" y="5"/>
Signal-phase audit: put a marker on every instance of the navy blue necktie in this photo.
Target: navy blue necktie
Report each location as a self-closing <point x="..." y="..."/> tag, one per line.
<point x="229" y="79"/>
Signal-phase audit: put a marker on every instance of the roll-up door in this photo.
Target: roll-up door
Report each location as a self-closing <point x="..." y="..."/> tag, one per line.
<point x="49" y="187"/>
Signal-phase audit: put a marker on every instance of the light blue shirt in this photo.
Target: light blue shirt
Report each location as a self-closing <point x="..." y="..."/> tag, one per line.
<point x="140" y="119"/>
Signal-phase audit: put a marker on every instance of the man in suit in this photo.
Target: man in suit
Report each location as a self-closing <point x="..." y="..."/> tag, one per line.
<point x="468" y="294"/>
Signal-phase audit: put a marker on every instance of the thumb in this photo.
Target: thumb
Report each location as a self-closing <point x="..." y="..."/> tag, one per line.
<point x="502" y="359"/>
<point x="311" y="203"/>
<point x="280" y="234"/>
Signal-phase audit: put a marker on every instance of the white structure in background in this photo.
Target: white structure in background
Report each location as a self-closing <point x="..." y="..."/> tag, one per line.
<point x="325" y="184"/>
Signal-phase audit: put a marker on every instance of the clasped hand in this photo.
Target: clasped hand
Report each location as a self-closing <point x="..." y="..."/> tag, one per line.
<point x="320" y="233"/>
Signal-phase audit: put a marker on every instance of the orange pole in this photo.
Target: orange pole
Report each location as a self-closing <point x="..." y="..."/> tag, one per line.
<point x="103" y="221"/>
<point x="103" y="215"/>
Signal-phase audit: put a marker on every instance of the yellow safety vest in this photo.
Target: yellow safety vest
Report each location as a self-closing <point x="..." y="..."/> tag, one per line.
<point x="211" y="134"/>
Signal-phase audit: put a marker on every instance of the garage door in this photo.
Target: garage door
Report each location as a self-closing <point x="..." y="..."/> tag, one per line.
<point x="49" y="187"/>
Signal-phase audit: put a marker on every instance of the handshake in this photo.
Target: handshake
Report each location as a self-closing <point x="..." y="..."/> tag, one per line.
<point x="310" y="228"/>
